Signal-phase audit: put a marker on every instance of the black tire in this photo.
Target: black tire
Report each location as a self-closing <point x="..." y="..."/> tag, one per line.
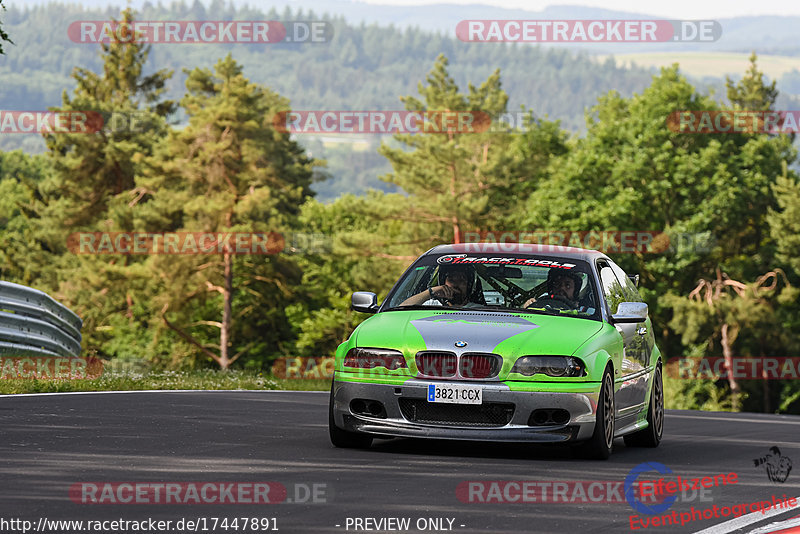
<point x="343" y="438"/>
<point x="651" y="436"/>
<point x="599" y="446"/>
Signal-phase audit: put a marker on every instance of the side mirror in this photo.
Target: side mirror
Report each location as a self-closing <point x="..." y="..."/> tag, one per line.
<point x="630" y="312"/>
<point x="635" y="279"/>
<point x="364" y="301"/>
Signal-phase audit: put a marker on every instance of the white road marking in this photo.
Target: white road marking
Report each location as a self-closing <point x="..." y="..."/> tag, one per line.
<point x="164" y="391"/>
<point x="770" y="421"/>
<point x="742" y="521"/>
<point x="778" y="525"/>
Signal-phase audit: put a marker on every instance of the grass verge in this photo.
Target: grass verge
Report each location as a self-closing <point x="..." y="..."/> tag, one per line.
<point x="676" y="393"/>
<point x="164" y="380"/>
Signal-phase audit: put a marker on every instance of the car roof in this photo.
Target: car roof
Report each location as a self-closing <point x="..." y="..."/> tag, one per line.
<point x="553" y="251"/>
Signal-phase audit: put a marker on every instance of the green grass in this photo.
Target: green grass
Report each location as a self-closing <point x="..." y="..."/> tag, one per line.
<point x="717" y="64"/>
<point x="164" y="380"/>
<point x="697" y="395"/>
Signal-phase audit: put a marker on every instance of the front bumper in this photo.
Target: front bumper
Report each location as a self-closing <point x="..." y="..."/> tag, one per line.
<point x="582" y="408"/>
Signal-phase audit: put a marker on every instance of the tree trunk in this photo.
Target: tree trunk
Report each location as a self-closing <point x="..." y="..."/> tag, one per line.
<point x="227" y="297"/>
<point x="456" y="231"/>
<point x="765" y="380"/>
<point x="456" y="227"/>
<point x="728" y="353"/>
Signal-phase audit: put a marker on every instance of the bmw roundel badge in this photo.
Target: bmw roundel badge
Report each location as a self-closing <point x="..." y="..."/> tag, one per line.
<point x="460" y="344"/>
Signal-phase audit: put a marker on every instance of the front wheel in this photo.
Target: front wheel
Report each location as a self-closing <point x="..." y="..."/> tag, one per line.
<point x="599" y="446"/>
<point x="651" y="436"/>
<point x="343" y="438"/>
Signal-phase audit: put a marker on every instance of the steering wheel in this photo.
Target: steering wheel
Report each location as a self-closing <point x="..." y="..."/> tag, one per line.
<point x="525" y="296"/>
<point x="554" y="302"/>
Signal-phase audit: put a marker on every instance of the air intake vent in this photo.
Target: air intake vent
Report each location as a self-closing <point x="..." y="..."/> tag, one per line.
<point x="489" y="414"/>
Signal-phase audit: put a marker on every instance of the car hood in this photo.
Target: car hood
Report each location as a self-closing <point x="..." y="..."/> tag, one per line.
<point x="507" y="334"/>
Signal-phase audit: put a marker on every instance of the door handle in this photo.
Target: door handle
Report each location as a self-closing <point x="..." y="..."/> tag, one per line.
<point x="642" y="330"/>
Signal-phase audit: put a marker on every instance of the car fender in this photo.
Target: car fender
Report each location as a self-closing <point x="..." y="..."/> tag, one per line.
<point x="605" y="346"/>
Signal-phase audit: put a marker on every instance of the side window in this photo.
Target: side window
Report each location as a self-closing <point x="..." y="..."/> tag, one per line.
<point x="628" y="287"/>
<point x="612" y="290"/>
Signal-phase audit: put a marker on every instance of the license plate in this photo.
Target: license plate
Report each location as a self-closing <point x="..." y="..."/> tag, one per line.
<point x="455" y="394"/>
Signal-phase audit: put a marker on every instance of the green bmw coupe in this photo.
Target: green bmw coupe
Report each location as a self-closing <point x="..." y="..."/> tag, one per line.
<point x="502" y="342"/>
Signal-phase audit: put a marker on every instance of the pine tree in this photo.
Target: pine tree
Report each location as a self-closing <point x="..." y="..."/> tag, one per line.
<point x="3" y="35"/>
<point x="450" y="177"/>
<point x="92" y="168"/>
<point x="92" y="172"/>
<point x="785" y="221"/>
<point x="751" y="93"/>
<point x="227" y="171"/>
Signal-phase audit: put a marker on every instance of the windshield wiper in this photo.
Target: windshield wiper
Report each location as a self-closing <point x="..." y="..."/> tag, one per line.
<point x="417" y="307"/>
<point x="495" y="308"/>
<point x="542" y="311"/>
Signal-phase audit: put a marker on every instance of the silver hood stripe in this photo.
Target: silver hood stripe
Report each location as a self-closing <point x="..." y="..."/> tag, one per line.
<point x="481" y="332"/>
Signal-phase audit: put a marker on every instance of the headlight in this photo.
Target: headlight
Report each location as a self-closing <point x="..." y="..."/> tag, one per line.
<point x="369" y="358"/>
<point x="550" y="366"/>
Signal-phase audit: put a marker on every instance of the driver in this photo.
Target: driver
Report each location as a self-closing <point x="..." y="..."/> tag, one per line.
<point x="457" y="282"/>
<point x="561" y="285"/>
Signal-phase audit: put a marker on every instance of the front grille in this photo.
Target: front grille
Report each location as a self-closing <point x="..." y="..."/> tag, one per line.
<point x="477" y="365"/>
<point x="439" y="364"/>
<point x="489" y="414"/>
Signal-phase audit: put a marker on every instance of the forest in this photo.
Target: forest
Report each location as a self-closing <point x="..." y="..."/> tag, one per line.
<point x="227" y="169"/>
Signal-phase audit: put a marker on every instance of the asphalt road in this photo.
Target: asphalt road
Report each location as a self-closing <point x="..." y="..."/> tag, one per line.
<point x="51" y="443"/>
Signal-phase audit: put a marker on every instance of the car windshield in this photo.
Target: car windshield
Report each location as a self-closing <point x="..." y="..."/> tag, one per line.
<point x="518" y="283"/>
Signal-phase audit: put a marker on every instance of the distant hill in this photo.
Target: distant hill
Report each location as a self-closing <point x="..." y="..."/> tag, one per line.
<point x="365" y="66"/>
<point x="768" y="34"/>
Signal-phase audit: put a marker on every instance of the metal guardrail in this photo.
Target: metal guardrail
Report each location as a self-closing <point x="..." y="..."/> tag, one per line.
<point x="32" y="323"/>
